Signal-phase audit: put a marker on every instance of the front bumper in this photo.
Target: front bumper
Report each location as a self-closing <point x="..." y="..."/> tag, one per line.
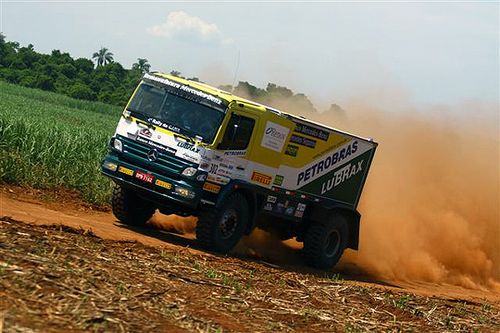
<point x="163" y="190"/>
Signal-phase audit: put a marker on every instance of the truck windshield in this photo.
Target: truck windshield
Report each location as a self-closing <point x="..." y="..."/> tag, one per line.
<point x="176" y="113"/>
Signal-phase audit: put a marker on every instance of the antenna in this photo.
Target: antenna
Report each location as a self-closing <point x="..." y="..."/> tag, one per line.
<point x="236" y="71"/>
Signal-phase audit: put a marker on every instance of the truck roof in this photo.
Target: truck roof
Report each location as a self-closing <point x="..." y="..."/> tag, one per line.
<point x="229" y="97"/>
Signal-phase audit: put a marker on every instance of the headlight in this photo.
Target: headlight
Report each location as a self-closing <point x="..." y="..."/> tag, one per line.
<point x="110" y="165"/>
<point x="117" y="144"/>
<point x="189" y="171"/>
<point x="184" y="192"/>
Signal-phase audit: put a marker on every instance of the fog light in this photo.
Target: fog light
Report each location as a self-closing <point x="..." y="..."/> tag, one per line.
<point x="184" y="192"/>
<point x="110" y="165"/>
<point x="117" y="144"/>
<point x="189" y="171"/>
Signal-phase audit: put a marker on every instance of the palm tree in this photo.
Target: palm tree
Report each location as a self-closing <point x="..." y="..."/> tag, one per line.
<point x="103" y="57"/>
<point x="142" y="65"/>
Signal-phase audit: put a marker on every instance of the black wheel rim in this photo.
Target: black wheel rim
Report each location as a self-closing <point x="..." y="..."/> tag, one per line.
<point x="228" y="223"/>
<point x="332" y="244"/>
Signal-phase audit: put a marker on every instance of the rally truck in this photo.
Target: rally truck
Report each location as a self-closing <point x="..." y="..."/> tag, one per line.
<point x="185" y="148"/>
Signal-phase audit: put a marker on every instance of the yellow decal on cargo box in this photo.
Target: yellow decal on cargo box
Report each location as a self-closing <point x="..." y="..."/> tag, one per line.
<point x="163" y="184"/>
<point x="211" y="187"/>
<point x="261" y="178"/>
<point x="126" y="171"/>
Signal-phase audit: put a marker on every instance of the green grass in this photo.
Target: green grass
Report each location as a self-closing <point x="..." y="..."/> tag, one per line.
<point x="51" y="141"/>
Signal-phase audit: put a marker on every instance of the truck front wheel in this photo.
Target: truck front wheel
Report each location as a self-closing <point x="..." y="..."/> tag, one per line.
<point x="129" y="208"/>
<point x="325" y="241"/>
<point x="220" y="230"/>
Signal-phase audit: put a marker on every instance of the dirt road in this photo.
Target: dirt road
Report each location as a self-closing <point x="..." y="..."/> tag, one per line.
<point x="248" y="285"/>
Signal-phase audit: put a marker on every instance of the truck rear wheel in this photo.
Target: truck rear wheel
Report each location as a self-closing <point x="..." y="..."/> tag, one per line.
<point x="129" y="208"/>
<point x="324" y="242"/>
<point x="220" y="230"/>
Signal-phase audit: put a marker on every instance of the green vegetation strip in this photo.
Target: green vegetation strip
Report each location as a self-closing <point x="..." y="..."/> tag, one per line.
<point x="50" y="141"/>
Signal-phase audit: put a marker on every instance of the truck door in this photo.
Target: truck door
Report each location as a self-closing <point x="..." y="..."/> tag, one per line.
<point x="235" y="146"/>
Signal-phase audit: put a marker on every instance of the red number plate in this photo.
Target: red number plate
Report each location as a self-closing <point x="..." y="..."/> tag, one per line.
<point x="146" y="177"/>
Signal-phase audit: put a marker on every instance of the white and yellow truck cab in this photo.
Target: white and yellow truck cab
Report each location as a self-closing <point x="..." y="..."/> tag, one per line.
<point x="186" y="148"/>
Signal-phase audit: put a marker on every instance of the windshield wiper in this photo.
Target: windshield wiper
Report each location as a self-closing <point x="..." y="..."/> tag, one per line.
<point x="138" y="112"/>
<point x="185" y="137"/>
<point x="145" y="116"/>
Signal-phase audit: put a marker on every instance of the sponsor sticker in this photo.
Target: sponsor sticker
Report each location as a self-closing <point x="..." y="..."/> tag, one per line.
<point x="166" y="126"/>
<point x="211" y="187"/>
<point x="268" y="206"/>
<point x="183" y="87"/>
<point x="126" y="171"/>
<point x="279" y="208"/>
<point x="261" y="178"/>
<point x="278" y="180"/>
<point x="274" y="136"/>
<point x="271" y="199"/>
<point x="213" y="168"/>
<point x="303" y="141"/>
<point x="224" y="172"/>
<point x="291" y="150"/>
<point x="227" y="166"/>
<point x="189" y="157"/>
<point x="301" y="207"/>
<point x="145" y="177"/>
<point x="145" y="132"/>
<point x="299" y="214"/>
<point x="312" y="131"/>
<point x="188" y="146"/>
<point x="235" y="152"/>
<point x="163" y="184"/>
<point x="201" y="177"/>
<point x="222" y="180"/>
<point x="156" y="145"/>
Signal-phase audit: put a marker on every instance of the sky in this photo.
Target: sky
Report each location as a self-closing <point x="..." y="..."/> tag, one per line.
<point x="432" y="53"/>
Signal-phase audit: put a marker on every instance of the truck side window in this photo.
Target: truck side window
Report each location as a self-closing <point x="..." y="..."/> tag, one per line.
<point x="238" y="133"/>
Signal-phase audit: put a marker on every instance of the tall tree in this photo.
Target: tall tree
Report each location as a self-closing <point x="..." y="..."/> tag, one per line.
<point x="142" y="65"/>
<point x="103" y="57"/>
<point x="2" y="48"/>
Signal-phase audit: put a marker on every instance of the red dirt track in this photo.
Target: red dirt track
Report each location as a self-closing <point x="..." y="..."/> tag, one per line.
<point x="395" y="305"/>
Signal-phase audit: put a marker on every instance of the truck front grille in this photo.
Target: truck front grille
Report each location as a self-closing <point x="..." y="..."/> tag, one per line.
<point x="137" y="153"/>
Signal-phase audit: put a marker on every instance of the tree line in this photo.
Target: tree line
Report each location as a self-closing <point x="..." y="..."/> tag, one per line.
<point x="102" y="79"/>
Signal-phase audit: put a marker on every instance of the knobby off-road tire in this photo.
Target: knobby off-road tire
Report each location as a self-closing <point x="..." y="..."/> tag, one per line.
<point x="129" y="208"/>
<point x="325" y="242"/>
<point x="220" y="230"/>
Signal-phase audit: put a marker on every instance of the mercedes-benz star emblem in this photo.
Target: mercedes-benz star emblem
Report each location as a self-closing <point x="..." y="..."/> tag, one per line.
<point x="152" y="155"/>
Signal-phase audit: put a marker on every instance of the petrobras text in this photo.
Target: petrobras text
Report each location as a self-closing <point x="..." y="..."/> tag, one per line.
<point x="327" y="163"/>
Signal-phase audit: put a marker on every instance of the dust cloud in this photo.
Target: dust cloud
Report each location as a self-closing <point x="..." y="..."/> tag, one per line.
<point x="266" y="246"/>
<point x="430" y="208"/>
<point x="173" y="223"/>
